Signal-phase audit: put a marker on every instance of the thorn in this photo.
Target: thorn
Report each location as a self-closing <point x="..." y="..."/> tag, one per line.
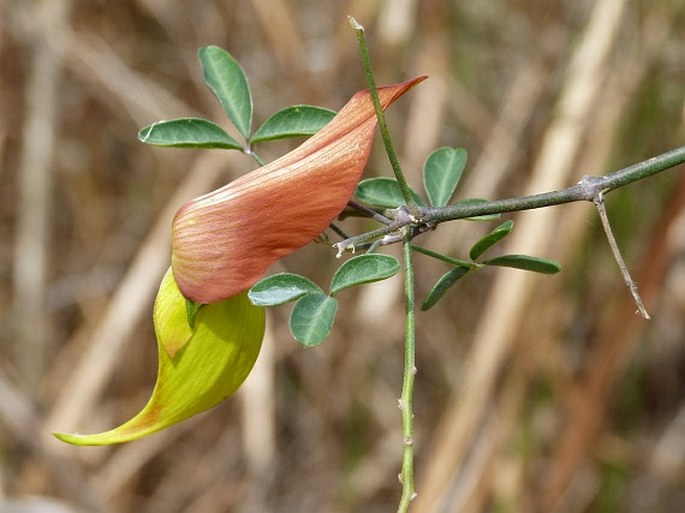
<point x="630" y="283"/>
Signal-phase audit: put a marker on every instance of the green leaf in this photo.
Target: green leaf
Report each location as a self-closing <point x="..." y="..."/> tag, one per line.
<point x="192" y="309"/>
<point x="295" y="121"/>
<point x="312" y="318"/>
<point x="383" y="192"/>
<point x="475" y="201"/>
<point x="441" y="174"/>
<point x="364" y="269"/>
<point x="527" y="263"/>
<point x="442" y="285"/>
<point x="212" y="363"/>
<point x="227" y="80"/>
<point x="490" y="239"/>
<point x="188" y="133"/>
<point x="281" y="288"/>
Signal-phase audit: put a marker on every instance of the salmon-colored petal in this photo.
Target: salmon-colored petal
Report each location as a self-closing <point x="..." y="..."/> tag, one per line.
<point x="224" y="241"/>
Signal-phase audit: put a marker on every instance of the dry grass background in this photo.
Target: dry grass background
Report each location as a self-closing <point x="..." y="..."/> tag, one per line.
<point x="533" y="394"/>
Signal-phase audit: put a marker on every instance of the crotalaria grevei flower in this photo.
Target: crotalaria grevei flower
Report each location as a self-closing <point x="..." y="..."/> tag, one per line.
<point x="224" y="241"/>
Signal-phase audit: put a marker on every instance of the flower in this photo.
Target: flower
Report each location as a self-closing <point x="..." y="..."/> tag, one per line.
<point x="224" y="241"/>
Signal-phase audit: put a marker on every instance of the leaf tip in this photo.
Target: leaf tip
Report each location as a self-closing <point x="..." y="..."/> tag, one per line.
<point x="144" y="133"/>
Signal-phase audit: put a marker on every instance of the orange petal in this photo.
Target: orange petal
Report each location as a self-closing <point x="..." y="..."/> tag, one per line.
<point x="224" y="241"/>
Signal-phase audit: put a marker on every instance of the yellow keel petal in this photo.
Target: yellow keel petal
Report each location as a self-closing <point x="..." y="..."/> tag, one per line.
<point x="213" y="360"/>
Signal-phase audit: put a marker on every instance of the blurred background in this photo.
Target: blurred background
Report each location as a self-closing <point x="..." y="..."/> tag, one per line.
<point x="534" y="394"/>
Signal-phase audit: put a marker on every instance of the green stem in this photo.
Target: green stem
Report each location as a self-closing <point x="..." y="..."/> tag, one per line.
<point x="406" y="402"/>
<point x="439" y="256"/>
<point x="382" y="125"/>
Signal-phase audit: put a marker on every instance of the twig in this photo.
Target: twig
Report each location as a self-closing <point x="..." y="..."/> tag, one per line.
<point x="632" y="286"/>
<point x="369" y="212"/>
<point x="339" y="231"/>
<point x="586" y="189"/>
